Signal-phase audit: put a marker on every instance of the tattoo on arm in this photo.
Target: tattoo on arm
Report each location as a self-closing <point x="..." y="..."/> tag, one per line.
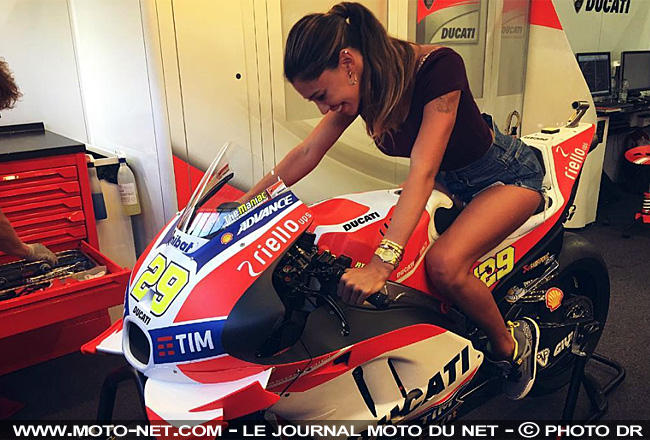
<point x="445" y="103"/>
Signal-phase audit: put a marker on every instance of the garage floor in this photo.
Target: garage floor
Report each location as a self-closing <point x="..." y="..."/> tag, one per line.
<point x="68" y="388"/>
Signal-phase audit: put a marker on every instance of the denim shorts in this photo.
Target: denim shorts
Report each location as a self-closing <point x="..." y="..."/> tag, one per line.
<point x="508" y="161"/>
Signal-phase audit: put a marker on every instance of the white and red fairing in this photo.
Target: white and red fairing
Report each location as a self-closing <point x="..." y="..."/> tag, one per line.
<point x="191" y="378"/>
<point x="434" y="363"/>
<point x="354" y="224"/>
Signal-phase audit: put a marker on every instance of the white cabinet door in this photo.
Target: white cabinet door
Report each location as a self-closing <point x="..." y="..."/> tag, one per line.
<point x="209" y="64"/>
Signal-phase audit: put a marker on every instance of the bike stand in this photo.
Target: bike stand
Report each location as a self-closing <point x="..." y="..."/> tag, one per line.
<point x="637" y="221"/>
<point x="109" y="391"/>
<point x="597" y="394"/>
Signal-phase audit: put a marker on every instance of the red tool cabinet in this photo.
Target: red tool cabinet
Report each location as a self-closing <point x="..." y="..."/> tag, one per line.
<point x="45" y="193"/>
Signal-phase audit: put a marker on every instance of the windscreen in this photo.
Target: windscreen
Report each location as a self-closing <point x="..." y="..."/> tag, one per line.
<point x="220" y="199"/>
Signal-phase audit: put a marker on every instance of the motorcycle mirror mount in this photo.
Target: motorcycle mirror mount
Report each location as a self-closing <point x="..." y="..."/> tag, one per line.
<point x="580" y="108"/>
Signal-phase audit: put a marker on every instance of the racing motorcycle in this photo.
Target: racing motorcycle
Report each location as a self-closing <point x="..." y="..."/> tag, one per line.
<point x="232" y="310"/>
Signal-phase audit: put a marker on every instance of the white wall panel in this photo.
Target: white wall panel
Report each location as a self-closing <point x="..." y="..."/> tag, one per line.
<point x="38" y="45"/>
<point x="117" y="98"/>
<point x="209" y="40"/>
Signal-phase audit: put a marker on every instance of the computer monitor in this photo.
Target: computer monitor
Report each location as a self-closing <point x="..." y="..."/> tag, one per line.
<point x="635" y="68"/>
<point x="596" y="68"/>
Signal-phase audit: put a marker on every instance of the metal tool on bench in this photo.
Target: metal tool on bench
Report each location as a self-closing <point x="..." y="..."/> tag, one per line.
<point x="21" y="278"/>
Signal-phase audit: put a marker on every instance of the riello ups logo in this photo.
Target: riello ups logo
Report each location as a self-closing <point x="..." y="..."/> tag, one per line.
<point x="606" y="6"/>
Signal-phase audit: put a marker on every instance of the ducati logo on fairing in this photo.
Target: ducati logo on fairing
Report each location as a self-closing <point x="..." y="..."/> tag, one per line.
<point x="269" y="248"/>
<point x="141" y="315"/>
<point x="360" y="221"/>
<point x="406" y="269"/>
<point x="455" y="368"/>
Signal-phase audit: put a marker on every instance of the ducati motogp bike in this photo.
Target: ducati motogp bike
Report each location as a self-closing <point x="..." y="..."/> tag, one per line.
<point x="232" y="311"/>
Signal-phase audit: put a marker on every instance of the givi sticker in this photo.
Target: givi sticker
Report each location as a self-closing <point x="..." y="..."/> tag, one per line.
<point x="554" y="298"/>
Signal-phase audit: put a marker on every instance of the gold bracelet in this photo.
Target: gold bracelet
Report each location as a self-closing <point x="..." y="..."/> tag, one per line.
<point x="390" y="252"/>
<point x="391" y="244"/>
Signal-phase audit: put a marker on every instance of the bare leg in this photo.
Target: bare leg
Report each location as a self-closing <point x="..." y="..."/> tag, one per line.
<point x="482" y="225"/>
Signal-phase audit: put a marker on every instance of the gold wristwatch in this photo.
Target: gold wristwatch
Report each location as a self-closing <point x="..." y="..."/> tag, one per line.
<point x="390" y="252"/>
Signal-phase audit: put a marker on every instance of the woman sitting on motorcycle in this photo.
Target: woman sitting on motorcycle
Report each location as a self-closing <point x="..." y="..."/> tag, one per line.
<point x="416" y="102"/>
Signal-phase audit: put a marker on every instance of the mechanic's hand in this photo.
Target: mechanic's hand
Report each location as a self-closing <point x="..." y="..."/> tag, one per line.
<point x="39" y="252"/>
<point x="358" y="284"/>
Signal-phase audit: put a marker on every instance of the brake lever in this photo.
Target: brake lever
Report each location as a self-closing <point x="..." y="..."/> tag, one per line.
<point x="345" y="330"/>
<point x="379" y="300"/>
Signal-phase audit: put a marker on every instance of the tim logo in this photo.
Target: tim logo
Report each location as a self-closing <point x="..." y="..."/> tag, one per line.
<point x="606" y="6"/>
<point x="184" y="343"/>
<point x="188" y="342"/>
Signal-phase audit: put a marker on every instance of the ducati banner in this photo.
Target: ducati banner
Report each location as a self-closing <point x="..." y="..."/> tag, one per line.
<point x="515" y="19"/>
<point x="454" y="21"/>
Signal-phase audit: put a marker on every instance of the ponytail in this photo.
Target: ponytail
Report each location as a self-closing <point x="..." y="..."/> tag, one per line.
<point x="314" y="44"/>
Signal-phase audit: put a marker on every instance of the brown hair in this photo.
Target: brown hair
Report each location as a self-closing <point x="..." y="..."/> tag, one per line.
<point x="314" y="44"/>
<point x="9" y="92"/>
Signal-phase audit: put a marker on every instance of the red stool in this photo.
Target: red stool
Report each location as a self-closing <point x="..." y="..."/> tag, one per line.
<point x="639" y="156"/>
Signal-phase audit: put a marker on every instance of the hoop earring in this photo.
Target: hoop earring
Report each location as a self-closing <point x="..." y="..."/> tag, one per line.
<point x="352" y="81"/>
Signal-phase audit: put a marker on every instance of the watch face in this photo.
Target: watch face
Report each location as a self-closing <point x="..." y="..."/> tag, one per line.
<point x="388" y="255"/>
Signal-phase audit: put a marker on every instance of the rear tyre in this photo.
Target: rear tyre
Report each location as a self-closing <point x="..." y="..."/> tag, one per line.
<point x="585" y="282"/>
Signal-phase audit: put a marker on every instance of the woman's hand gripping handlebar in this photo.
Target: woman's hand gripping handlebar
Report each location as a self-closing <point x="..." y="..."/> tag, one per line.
<point x="380" y="299"/>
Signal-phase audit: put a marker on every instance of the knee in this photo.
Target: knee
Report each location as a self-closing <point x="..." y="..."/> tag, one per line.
<point x="446" y="271"/>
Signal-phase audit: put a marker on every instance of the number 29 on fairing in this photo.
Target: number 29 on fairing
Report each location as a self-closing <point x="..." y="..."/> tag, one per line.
<point x="494" y="268"/>
<point x="165" y="279"/>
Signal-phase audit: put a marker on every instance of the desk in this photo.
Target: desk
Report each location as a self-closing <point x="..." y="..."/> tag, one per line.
<point x="618" y="127"/>
<point x="620" y="117"/>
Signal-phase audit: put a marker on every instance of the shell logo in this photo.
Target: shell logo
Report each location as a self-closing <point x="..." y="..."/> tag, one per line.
<point x="554" y="298"/>
<point x="226" y="238"/>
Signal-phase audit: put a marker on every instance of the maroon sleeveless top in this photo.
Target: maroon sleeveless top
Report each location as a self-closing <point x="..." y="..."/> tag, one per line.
<point x="443" y="71"/>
